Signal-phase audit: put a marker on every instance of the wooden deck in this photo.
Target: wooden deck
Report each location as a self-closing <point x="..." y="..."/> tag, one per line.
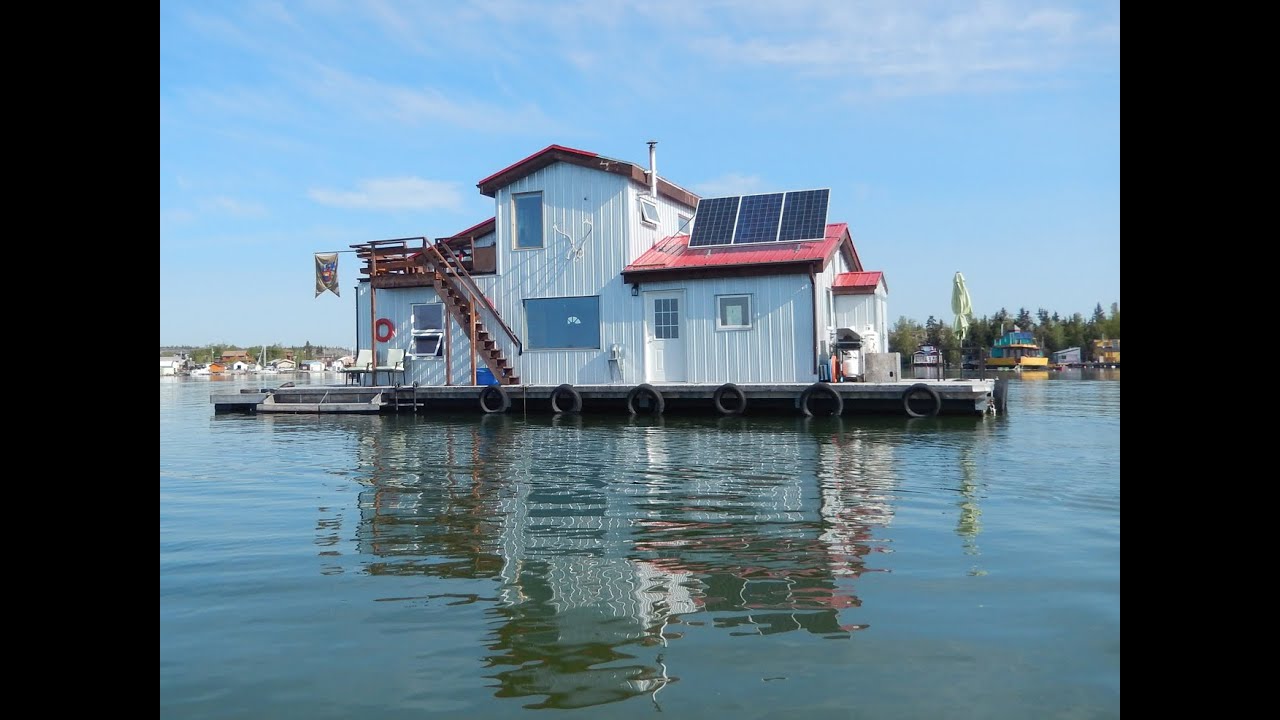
<point x="914" y="398"/>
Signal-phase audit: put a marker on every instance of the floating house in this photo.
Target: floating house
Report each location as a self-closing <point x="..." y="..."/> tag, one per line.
<point x="1107" y="352"/>
<point x="174" y="365"/>
<point x="1016" y="350"/>
<point x="598" y="271"/>
<point x="926" y="356"/>
<point x="1069" y="357"/>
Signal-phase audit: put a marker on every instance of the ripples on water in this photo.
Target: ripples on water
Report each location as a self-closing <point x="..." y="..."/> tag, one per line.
<point x="352" y="566"/>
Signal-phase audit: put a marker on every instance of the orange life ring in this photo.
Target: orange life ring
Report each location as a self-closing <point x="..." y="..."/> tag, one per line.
<point x="384" y="330"/>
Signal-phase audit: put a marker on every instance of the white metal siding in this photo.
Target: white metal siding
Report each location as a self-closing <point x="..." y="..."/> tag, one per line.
<point x="859" y="312"/>
<point x="592" y="230"/>
<point x="777" y="348"/>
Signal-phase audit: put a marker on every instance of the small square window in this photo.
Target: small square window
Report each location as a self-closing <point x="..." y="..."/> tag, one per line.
<point x="427" y="316"/>
<point x="428" y="344"/>
<point x="733" y="312"/>
<point x="649" y="211"/>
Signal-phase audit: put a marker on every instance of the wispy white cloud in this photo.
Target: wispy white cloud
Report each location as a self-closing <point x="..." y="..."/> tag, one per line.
<point x="402" y="193"/>
<point x="908" y="48"/>
<point x="420" y="105"/>
<point x="730" y="184"/>
<point x="238" y="208"/>
<point x="882" y="48"/>
<point x="176" y="216"/>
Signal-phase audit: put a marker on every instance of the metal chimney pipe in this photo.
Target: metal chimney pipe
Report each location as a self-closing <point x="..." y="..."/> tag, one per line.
<point x="653" y="169"/>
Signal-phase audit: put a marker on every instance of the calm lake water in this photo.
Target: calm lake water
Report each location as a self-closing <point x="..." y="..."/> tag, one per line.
<point x="602" y="567"/>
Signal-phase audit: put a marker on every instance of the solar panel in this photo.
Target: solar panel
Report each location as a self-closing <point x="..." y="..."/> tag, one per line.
<point x="804" y="215"/>
<point x="713" y="223"/>
<point x="769" y="217"/>
<point x="758" y="219"/>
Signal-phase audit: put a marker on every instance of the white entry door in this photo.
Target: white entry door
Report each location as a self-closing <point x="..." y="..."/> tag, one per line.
<point x="664" y="351"/>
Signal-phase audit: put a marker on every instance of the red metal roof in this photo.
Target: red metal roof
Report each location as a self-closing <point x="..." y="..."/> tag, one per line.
<point x="477" y="229"/>
<point x="857" y="283"/>
<point x="674" y="255"/>
<point x="552" y="154"/>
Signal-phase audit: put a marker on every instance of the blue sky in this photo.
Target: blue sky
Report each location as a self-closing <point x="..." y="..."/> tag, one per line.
<point x="982" y="137"/>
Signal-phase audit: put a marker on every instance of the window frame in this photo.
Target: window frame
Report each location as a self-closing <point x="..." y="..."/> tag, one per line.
<point x="516" y="199"/>
<point x="683" y="224"/>
<point x="436" y="334"/>
<point x="748" y="318"/>
<point x="529" y="335"/>
<point x="650" y="204"/>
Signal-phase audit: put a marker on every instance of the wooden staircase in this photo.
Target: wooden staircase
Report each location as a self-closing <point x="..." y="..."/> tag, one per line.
<point x="462" y="298"/>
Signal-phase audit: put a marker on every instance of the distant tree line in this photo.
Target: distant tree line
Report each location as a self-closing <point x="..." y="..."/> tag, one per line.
<point x="1051" y="331"/>
<point x="300" y="353"/>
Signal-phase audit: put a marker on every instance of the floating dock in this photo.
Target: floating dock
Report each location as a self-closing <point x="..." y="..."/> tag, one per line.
<point x="913" y="398"/>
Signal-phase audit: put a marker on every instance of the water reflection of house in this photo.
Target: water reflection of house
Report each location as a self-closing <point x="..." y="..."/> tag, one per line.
<point x="601" y="561"/>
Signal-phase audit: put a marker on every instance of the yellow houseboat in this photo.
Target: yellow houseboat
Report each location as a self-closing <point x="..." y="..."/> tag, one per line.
<point x="1015" y="351"/>
<point x="1107" y="352"/>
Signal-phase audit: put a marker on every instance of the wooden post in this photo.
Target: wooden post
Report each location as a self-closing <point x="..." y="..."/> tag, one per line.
<point x="448" y="348"/>
<point x="373" y="314"/>
<point x="471" y="322"/>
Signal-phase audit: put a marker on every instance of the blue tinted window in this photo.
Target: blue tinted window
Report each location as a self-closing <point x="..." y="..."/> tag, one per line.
<point x="528" y="216"/>
<point x="428" y="317"/>
<point x="566" y="322"/>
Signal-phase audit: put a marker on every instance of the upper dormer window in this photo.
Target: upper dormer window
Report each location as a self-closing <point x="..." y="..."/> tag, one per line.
<point x="649" y="211"/>
<point x="526" y="221"/>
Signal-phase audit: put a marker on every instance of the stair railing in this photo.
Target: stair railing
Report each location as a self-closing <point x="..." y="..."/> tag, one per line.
<point x="447" y="258"/>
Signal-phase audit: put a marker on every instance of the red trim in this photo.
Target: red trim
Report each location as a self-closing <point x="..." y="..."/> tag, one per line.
<point x="543" y="151"/>
<point x="674" y="256"/>
<point x="858" y="283"/>
<point x="474" y="229"/>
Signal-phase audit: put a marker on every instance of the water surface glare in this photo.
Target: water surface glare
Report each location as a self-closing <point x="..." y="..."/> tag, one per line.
<point x="493" y="566"/>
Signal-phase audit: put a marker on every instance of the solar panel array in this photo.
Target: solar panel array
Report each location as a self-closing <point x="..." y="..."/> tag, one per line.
<point x="771" y="217"/>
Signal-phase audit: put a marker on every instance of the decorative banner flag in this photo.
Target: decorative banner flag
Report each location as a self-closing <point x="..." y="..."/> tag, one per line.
<point x="327" y="273"/>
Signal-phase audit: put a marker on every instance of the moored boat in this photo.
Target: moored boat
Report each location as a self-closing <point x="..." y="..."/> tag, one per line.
<point x="926" y="355"/>
<point x="1017" y="350"/>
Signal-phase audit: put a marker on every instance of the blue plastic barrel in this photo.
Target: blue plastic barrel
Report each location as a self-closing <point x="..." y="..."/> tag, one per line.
<point x="484" y="376"/>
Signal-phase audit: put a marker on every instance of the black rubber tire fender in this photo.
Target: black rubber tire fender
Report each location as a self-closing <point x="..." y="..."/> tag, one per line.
<point x="658" y="405"/>
<point x="565" y="399"/>
<point x="933" y="396"/>
<point x="1001" y="395"/>
<point x="820" y="389"/>
<point x="493" y="399"/>
<point x="731" y="390"/>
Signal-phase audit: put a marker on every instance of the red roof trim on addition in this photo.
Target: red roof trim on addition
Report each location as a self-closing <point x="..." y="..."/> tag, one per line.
<point x="673" y="257"/>
<point x="858" y="283"/>
<point x="475" y="230"/>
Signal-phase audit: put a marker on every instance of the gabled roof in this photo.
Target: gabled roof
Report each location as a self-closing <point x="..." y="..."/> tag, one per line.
<point x="673" y="257"/>
<point x="858" y="283"/>
<point x="552" y="154"/>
